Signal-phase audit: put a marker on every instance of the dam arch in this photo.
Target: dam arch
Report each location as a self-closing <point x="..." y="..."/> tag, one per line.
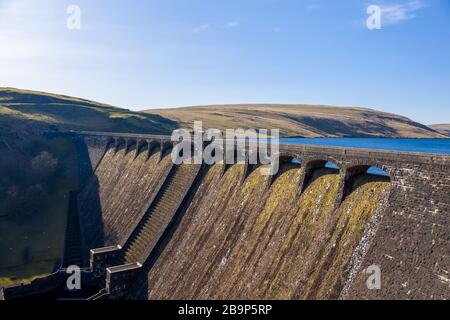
<point x="129" y="144"/>
<point x="356" y="175"/>
<point x="382" y="166"/>
<point x="374" y="169"/>
<point x="289" y="157"/>
<point x="238" y="158"/>
<point x="152" y="147"/>
<point x="140" y="146"/>
<point x="286" y="161"/>
<point x="250" y="167"/>
<point x="165" y="148"/>
<point x="312" y="165"/>
<point x="118" y="143"/>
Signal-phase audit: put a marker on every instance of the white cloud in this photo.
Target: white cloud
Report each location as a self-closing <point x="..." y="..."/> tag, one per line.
<point x="234" y="24"/>
<point x="397" y="13"/>
<point x="201" y="28"/>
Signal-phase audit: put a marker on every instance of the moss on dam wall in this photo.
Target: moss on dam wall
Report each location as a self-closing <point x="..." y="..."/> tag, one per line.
<point x="251" y="243"/>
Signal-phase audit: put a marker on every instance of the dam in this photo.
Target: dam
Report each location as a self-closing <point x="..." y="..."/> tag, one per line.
<point x="145" y="228"/>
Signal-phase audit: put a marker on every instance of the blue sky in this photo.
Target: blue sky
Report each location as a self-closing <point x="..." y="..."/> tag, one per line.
<point x="166" y="53"/>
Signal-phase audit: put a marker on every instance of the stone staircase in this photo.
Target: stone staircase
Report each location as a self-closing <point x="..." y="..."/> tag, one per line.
<point x="160" y="213"/>
<point x="126" y="262"/>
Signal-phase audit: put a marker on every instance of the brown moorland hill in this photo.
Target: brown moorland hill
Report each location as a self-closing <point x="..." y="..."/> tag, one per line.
<point x="443" y="128"/>
<point x="301" y="120"/>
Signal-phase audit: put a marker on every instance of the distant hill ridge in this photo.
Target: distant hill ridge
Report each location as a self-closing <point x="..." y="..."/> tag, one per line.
<point x="25" y="109"/>
<point x="443" y="128"/>
<point x="302" y="120"/>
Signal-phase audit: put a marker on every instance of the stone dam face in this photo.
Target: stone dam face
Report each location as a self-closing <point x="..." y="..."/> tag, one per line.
<point x="310" y="232"/>
<point x="154" y="230"/>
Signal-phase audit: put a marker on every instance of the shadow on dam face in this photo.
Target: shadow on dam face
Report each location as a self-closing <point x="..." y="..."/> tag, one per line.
<point x="95" y="237"/>
<point x="119" y="192"/>
<point x="89" y="206"/>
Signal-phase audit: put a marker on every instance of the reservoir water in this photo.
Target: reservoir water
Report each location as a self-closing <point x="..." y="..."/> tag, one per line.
<point x="438" y="146"/>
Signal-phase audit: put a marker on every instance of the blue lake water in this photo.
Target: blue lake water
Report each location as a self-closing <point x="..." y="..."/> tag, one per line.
<point x="439" y="146"/>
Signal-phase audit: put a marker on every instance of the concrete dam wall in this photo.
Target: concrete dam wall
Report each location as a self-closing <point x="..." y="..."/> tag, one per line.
<point x="150" y="229"/>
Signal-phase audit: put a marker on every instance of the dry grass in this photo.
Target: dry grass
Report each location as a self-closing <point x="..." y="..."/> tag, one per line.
<point x="443" y="128"/>
<point x="4" y="281"/>
<point x="301" y="120"/>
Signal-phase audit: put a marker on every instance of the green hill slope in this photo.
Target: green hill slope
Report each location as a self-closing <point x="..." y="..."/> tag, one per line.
<point x="24" y="109"/>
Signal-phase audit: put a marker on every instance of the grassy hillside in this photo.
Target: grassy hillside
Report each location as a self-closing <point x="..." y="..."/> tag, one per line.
<point x="301" y="120"/>
<point x="37" y="175"/>
<point x="442" y="128"/>
<point x="24" y="109"/>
